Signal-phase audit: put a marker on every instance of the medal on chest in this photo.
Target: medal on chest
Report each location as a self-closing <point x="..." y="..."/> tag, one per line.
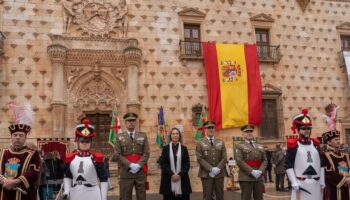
<point x="11" y="167"/>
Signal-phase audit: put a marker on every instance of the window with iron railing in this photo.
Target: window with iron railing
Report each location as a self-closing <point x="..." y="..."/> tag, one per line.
<point x="266" y="52"/>
<point x="191" y="46"/>
<point x="345" y="46"/>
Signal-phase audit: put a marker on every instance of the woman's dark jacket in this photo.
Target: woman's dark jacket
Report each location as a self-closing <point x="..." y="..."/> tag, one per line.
<point x="165" y="183"/>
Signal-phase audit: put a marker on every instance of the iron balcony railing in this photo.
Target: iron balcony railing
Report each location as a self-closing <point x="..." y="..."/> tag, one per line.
<point x="341" y="58"/>
<point x="189" y="49"/>
<point x="268" y="53"/>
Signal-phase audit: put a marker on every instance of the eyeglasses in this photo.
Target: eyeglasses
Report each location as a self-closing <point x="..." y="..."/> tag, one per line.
<point x="305" y="128"/>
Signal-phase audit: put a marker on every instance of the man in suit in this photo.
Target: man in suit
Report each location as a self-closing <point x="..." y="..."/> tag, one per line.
<point x="212" y="157"/>
<point x="251" y="160"/>
<point x="132" y="153"/>
<point x="278" y="165"/>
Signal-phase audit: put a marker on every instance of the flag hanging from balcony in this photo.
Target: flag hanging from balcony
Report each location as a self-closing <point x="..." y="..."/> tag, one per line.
<point x="115" y="129"/>
<point x="234" y="84"/>
<point x="346" y="55"/>
<point x="161" y="130"/>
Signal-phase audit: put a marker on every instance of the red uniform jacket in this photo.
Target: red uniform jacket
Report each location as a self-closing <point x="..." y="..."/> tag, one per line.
<point x="24" y="165"/>
<point x="337" y="165"/>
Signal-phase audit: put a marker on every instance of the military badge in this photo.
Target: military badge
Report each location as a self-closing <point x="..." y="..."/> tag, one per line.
<point x="11" y="167"/>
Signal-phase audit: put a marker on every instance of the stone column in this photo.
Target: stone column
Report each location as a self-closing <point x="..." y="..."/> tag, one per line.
<point x="58" y="54"/>
<point x="133" y="60"/>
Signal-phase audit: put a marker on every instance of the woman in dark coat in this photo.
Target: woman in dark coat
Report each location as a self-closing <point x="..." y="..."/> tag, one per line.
<point x="175" y="163"/>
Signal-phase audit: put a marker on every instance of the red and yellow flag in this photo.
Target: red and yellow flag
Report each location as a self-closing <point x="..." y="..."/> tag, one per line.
<point x="234" y="84"/>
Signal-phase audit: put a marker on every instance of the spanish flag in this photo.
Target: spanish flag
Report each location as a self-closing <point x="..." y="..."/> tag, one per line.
<point x="234" y="84"/>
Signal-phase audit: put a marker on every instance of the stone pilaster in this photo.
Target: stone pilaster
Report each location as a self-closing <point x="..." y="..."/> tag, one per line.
<point x="58" y="54"/>
<point x="132" y="61"/>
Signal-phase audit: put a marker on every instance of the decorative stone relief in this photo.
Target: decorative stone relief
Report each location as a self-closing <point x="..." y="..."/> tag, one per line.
<point x="72" y="74"/>
<point x="262" y="18"/>
<point x="96" y="18"/>
<point x="94" y="94"/>
<point x="120" y="74"/>
<point x="303" y="4"/>
<point x="2" y="37"/>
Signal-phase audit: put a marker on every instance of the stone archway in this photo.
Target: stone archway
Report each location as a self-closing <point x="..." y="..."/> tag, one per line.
<point x="82" y="67"/>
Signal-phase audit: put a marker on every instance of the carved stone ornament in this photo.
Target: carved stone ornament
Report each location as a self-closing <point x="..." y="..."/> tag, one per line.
<point x="262" y="18"/>
<point x="303" y="4"/>
<point x="94" y="93"/>
<point x="96" y="18"/>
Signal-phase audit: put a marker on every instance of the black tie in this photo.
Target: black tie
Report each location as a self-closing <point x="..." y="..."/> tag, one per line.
<point x="211" y="141"/>
<point x="251" y="143"/>
<point x="131" y="136"/>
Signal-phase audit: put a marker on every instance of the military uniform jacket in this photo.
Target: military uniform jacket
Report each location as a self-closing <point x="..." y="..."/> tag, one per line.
<point x="244" y="153"/>
<point x="126" y="147"/>
<point x="24" y="165"/>
<point x="209" y="156"/>
<point x="337" y="167"/>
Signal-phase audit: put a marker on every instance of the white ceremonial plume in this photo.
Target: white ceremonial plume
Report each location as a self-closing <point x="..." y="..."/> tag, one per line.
<point x="22" y="115"/>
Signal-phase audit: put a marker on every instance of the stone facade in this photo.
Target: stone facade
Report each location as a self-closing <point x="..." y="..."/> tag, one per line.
<point x="68" y="57"/>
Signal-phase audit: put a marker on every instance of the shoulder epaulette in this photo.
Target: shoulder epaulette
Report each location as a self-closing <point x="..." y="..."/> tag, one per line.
<point x="99" y="157"/>
<point x="70" y="157"/>
<point x="316" y="142"/>
<point x="292" y="143"/>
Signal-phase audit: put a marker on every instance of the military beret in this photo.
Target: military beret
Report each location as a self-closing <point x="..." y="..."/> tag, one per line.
<point x="327" y="136"/>
<point x="130" y="116"/>
<point x="209" y="123"/>
<point x="247" y="127"/>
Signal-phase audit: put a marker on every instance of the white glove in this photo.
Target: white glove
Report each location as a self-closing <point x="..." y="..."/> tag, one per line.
<point x="211" y="174"/>
<point x="215" y="170"/>
<point x="293" y="179"/>
<point x="104" y="190"/>
<point x="256" y="173"/>
<point x="322" y="178"/>
<point x="138" y="167"/>
<point x="67" y="185"/>
<point x="295" y="186"/>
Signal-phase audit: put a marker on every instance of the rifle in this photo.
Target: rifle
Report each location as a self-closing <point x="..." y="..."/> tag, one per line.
<point x="16" y="188"/>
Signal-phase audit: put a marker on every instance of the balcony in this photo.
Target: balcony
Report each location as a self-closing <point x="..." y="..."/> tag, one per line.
<point x="191" y="50"/>
<point x="341" y="58"/>
<point x="267" y="53"/>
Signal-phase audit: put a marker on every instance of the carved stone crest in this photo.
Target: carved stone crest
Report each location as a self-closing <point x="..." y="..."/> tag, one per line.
<point x="96" y="18"/>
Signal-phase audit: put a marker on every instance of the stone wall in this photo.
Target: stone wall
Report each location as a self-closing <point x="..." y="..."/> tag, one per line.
<point x="308" y="73"/>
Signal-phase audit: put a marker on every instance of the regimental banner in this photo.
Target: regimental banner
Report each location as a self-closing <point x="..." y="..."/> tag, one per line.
<point x="234" y="84"/>
<point x="347" y="63"/>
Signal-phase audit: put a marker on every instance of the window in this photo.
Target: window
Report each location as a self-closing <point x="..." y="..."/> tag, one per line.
<point x="262" y="42"/>
<point x="269" y="125"/>
<point x="192" y="40"/>
<point x="102" y="124"/>
<point x="345" y="42"/>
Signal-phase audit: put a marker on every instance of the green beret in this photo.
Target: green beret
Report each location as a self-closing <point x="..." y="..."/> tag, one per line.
<point x="130" y="116"/>
<point x="209" y="123"/>
<point x="247" y="127"/>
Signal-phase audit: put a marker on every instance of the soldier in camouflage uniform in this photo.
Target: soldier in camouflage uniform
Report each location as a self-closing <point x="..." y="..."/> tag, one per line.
<point x="251" y="160"/>
<point x="132" y="153"/>
<point x="211" y="156"/>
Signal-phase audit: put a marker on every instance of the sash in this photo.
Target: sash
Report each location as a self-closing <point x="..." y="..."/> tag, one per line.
<point x="134" y="158"/>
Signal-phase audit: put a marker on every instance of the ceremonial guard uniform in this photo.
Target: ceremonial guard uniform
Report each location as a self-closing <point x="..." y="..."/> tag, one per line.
<point x="251" y="160"/>
<point x="212" y="157"/>
<point x="85" y="173"/>
<point x="303" y="162"/>
<point x="20" y="163"/>
<point x="337" y="170"/>
<point x="132" y="153"/>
